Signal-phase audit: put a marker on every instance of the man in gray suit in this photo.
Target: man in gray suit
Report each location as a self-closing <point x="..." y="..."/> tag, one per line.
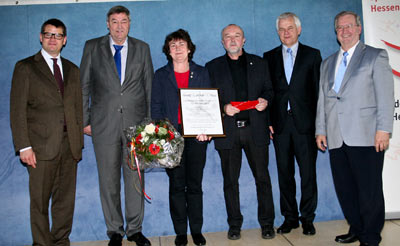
<point x="116" y="75"/>
<point x="354" y="120"/>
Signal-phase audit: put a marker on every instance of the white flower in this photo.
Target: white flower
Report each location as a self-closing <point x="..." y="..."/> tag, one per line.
<point x="150" y="128"/>
<point x="143" y="133"/>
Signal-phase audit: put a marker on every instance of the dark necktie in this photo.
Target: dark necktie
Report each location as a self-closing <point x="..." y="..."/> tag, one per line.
<point x="57" y="75"/>
<point x="117" y="58"/>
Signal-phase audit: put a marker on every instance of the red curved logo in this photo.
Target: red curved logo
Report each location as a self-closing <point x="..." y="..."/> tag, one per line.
<point x="397" y="73"/>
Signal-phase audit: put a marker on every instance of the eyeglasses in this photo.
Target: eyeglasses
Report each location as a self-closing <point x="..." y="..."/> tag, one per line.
<point x="342" y="28"/>
<point x="49" y="35"/>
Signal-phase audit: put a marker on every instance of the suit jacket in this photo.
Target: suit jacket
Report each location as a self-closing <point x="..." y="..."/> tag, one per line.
<point x="165" y="92"/>
<point x="109" y="106"/>
<point x="365" y="102"/>
<point x="37" y="108"/>
<point x="259" y="86"/>
<point x="302" y="92"/>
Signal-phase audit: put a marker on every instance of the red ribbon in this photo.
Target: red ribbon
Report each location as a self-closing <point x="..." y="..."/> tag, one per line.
<point x="132" y="145"/>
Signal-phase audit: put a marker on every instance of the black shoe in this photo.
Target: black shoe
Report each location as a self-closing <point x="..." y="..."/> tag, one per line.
<point x="287" y="226"/>
<point x="181" y="240"/>
<point x="267" y="232"/>
<point x="308" y="228"/>
<point x="115" y="240"/>
<point x="139" y="239"/>
<point x="346" y="238"/>
<point x="234" y="233"/>
<point x="198" y="239"/>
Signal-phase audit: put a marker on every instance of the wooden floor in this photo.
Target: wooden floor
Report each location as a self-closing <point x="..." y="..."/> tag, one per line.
<point x="326" y="232"/>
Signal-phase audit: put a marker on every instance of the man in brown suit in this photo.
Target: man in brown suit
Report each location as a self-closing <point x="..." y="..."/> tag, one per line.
<point x="46" y="123"/>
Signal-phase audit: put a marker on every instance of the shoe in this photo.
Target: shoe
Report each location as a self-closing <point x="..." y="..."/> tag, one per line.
<point x="181" y="240"/>
<point x="198" y="239"/>
<point x="346" y="238"/>
<point x="139" y="239"/>
<point x="115" y="240"/>
<point x="234" y="233"/>
<point x="287" y="226"/>
<point x="267" y="232"/>
<point x="308" y="228"/>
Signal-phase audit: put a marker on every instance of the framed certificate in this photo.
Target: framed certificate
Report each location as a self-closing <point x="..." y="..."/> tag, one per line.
<point x="201" y="112"/>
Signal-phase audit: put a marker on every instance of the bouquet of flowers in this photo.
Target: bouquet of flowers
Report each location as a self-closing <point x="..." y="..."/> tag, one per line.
<point x="154" y="144"/>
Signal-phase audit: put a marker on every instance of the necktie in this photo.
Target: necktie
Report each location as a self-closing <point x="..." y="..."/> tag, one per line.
<point x="57" y="75"/>
<point x="117" y="58"/>
<point x="289" y="64"/>
<point x="340" y="73"/>
<point x="288" y="68"/>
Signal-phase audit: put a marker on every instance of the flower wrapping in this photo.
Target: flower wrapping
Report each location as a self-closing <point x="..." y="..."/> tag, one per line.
<point x="154" y="144"/>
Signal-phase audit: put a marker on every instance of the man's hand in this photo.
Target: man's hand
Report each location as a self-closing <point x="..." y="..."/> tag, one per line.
<point x="381" y="141"/>
<point x="271" y="132"/>
<point x="230" y="110"/>
<point x="87" y="130"/>
<point x="262" y="104"/>
<point x="321" y="142"/>
<point x="28" y="157"/>
<point x="203" y="137"/>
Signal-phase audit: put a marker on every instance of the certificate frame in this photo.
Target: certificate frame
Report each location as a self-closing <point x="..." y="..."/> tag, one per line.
<point x="201" y="112"/>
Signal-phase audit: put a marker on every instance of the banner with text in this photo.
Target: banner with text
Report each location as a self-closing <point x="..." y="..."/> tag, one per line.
<point x="382" y="30"/>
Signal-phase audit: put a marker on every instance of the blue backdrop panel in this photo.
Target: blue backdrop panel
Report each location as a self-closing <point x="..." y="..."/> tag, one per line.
<point x="151" y="22"/>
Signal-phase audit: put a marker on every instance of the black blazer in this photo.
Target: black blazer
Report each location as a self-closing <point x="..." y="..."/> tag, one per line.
<point x="259" y="85"/>
<point x="302" y="91"/>
<point x="165" y="97"/>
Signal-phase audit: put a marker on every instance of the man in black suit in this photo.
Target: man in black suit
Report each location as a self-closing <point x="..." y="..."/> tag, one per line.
<point x="295" y="74"/>
<point x="240" y="76"/>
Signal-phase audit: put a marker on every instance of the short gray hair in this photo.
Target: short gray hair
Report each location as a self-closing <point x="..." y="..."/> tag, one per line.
<point x="343" y="13"/>
<point x="288" y="15"/>
<point x="222" y="32"/>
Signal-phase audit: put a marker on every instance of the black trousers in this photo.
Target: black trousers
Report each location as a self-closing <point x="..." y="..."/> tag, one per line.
<point x="289" y="144"/>
<point x="357" y="175"/>
<point x="231" y="162"/>
<point x="185" y="188"/>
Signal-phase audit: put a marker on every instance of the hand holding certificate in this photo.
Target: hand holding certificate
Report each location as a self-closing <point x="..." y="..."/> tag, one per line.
<point x="201" y="112"/>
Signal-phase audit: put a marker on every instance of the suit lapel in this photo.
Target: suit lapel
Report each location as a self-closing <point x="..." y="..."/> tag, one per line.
<point x="66" y="72"/>
<point x="129" y="60"/>
<point x="108" y="57"/>
<point x="332" y="66"/>
<point x="225" y="70"/>
<point x="297" y="61"/>
<point x="41" y="64"/>
<point x="171" y="75"/>
<point x="280" y="67"/>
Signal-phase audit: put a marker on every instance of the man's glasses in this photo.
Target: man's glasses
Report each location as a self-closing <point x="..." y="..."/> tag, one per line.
<point x="49" y="35"/>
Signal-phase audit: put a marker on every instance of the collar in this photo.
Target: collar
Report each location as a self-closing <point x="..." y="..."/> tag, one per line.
<point x="294" y="48"/>
<point x="125" y="44"/>
<point x="350" y="51"/>
<point x="47" y="56"/>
